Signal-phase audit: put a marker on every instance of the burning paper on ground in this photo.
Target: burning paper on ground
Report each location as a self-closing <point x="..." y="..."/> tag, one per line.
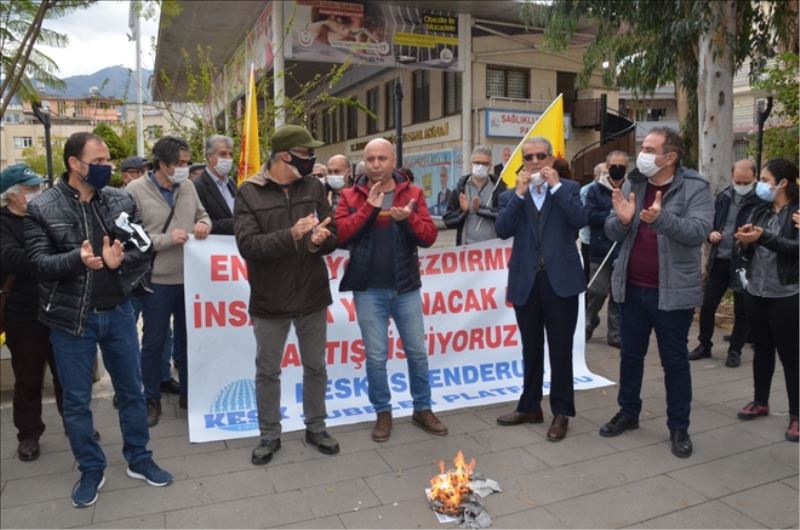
<point x="455" y="494"/>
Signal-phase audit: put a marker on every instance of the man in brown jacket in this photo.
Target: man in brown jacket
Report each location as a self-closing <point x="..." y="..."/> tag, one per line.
<point x="283" y="225"/>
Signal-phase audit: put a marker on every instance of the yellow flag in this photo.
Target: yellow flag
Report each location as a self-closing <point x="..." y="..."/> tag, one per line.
<point x="550" y="125"/>
<point x="250" y="156"/>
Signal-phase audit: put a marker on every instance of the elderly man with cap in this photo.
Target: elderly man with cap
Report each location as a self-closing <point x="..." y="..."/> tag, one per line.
<point x="133" y="168"/>
<point x="283" y="225"/>
<point x="28" y="339"/>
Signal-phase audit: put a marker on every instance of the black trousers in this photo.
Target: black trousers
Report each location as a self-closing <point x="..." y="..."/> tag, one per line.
<point x="774" y="325"/>
<point x="719" y="279"/>
<point x="29" y="342"/>
<point x="545" y="310"/>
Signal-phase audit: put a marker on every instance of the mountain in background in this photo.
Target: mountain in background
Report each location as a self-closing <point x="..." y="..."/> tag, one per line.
<point x="121" y="83"/>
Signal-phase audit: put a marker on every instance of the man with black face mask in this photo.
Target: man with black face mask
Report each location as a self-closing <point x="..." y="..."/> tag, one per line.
<point x="598" y="206"/>
<point x="283" y="225"/>
<point x="86" y="276"/>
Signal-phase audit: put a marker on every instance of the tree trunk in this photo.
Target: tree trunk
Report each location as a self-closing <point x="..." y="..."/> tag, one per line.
<point x="715" y="95"/>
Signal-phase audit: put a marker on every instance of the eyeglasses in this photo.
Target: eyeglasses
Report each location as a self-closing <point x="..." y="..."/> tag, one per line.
<point x="539" y="156"/>
<point x="318" y="175"/>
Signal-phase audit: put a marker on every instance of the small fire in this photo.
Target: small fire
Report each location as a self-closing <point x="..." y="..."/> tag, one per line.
<point x="450" y="487"/>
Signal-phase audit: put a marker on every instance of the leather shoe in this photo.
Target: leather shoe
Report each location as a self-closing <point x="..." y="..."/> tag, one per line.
<point x="615" y="344"/>
<point x="618" y="425"/>
<point x="326" y="443"/>
<point x="170" y="387"/>
<point x="517" y="418"/>
<point x="153" y="412"/>
<point x="558" y="429"/>
<point x="28" y="449"/>
<point x="382" y="429"/>
<point x="263" y="453"/>
<point x="701" y="352"/>
<point x="734" y="358"/>
<point x="428" y="422"/>
<point x="681" y="443"/>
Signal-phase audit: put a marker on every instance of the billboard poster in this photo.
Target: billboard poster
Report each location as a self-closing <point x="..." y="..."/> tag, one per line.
<point x="259" y="42"/>
<point x="376" y="33"/>
<point x="434" y="173"/>
<point x="236" y="74"/>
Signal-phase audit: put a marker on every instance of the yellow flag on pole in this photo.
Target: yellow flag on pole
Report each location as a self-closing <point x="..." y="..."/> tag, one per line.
<point x="250" y="155"/>
<point x="550" y="125"/>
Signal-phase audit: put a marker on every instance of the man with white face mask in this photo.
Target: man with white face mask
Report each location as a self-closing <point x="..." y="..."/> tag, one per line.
<point x="661" y="218"/>
<point x="731" y="210"/>
<point x="337" y="179"/>
<point x="472" y="208"/>
<point x="171" y="210"/>
<point x="215" y="185"/>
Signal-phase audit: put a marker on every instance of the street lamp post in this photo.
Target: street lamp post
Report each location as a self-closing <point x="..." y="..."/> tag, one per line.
<point x="43" y="115"/>
<point x="398" y="120"/>
<point x="763" y="114"/>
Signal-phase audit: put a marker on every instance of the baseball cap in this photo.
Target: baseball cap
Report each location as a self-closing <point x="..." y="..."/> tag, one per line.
<point x="19" y="174"/>
<point x="135" y="162"/>
<point x="290" y="136"/>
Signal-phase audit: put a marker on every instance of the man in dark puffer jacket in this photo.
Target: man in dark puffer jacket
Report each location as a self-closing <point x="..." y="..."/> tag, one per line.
<point x="382" y="220"/>
<point x="73" y="243"/>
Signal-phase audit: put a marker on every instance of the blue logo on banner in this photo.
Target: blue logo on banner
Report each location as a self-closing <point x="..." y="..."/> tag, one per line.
<point x="234" y="408"/>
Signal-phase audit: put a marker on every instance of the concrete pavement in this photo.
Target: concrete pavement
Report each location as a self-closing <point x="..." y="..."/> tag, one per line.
<point x="742" y="474"/>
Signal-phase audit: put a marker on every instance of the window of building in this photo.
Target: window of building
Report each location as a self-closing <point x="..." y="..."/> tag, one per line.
<point x="62" y="107"/>
<point x="341" y="116"/>
<point x="507" y="82"/>
<point x="352" y="119"/>
<point x="452" y="93"/>
<point x="372" y="106"/>
<point x="312" y="124"/>
<point x="388" y="91"/>
<point x="22" y="142"/>
<point x="78" y="109"/>
<point x="422" y="95"/>
<point x="565" y="84"/>
<point x="153" y="132"/>
<point x="327" y="126"/>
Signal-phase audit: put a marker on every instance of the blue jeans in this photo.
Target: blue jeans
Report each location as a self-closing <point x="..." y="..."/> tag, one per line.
<point x="639" y="315"/>
<point x="170" y="351"/>
<point x="163" y="304"/>
<point x="373" y="308"/>
<point x="115" y="332"/>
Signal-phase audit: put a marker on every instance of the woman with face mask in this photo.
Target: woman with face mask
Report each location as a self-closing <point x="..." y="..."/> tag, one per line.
<point x="769" y="244"/>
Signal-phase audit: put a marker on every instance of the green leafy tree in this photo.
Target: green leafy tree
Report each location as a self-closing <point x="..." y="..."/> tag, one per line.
<point x="36" y="158"/>
<point x="21" y="34"/>
<point x="781" y="80"/>
<point x="650" y="44"/>
<point x="116" y="146"/>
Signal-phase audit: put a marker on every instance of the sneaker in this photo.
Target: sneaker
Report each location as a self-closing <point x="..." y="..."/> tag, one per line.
<point x="148" y="471"/>
<point x="428" y="422"/>
<point x="753" y="410"/>
<point x="84" y="493"/>
<point x="793" y="432"/>
<point x="263" y="453"/>
<point x="618" y="425"/>
<point x="383" y="426"/>
<point x="28" y="449"/>
<point x="701" y="352"/>
<point x="153" y="412"/>
<point x="326" y="443"/>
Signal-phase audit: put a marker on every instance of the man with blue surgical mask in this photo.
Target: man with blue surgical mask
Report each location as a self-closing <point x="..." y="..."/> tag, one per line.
<point x="86" y="277"/>
<point x="216" y="185"/>
<point x="731" y="210"/>
<point x="662" y="216"/>
<point x="472" y="207"/>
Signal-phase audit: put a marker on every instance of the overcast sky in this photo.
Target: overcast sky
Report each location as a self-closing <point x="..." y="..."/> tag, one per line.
<point x="98" y="38"/>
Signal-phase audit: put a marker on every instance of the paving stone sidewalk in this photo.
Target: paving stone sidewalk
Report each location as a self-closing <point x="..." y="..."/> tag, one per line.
<point x="742" y="474"/>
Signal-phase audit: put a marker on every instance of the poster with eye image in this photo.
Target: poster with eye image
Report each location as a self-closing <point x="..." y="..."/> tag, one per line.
<point x="376" y="33"/>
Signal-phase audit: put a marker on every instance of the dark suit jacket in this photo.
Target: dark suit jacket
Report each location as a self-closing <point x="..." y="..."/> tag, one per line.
<point x="562" y="214"/>
<point x="214" y="203"/>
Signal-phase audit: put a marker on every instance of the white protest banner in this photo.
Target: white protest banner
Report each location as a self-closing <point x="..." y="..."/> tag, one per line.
<point x="473" y="342"/>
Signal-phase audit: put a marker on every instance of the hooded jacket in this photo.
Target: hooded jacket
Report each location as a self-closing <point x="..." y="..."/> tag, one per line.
<point x="355" y="218"/>
<point x="454" y="217"/>
<point x="288" y="278"/>
<point x="687" y="211"/>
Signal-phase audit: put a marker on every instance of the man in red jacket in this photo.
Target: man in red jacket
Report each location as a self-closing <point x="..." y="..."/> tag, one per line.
<point x="382" y="220"/>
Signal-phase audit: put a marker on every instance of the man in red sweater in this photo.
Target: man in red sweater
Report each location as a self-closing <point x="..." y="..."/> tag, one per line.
<point x="382" y="220"/>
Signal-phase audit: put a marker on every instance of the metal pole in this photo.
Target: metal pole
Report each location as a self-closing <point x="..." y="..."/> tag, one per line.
<point x="602" y="264"/>
<point x="762" y="119"/>
<point x="278" y="79"/>
<point x="398" y="119"/>
<point x="139" y="89"/>
<point x="44" y="118"/>
<point x="465" y="58"/>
